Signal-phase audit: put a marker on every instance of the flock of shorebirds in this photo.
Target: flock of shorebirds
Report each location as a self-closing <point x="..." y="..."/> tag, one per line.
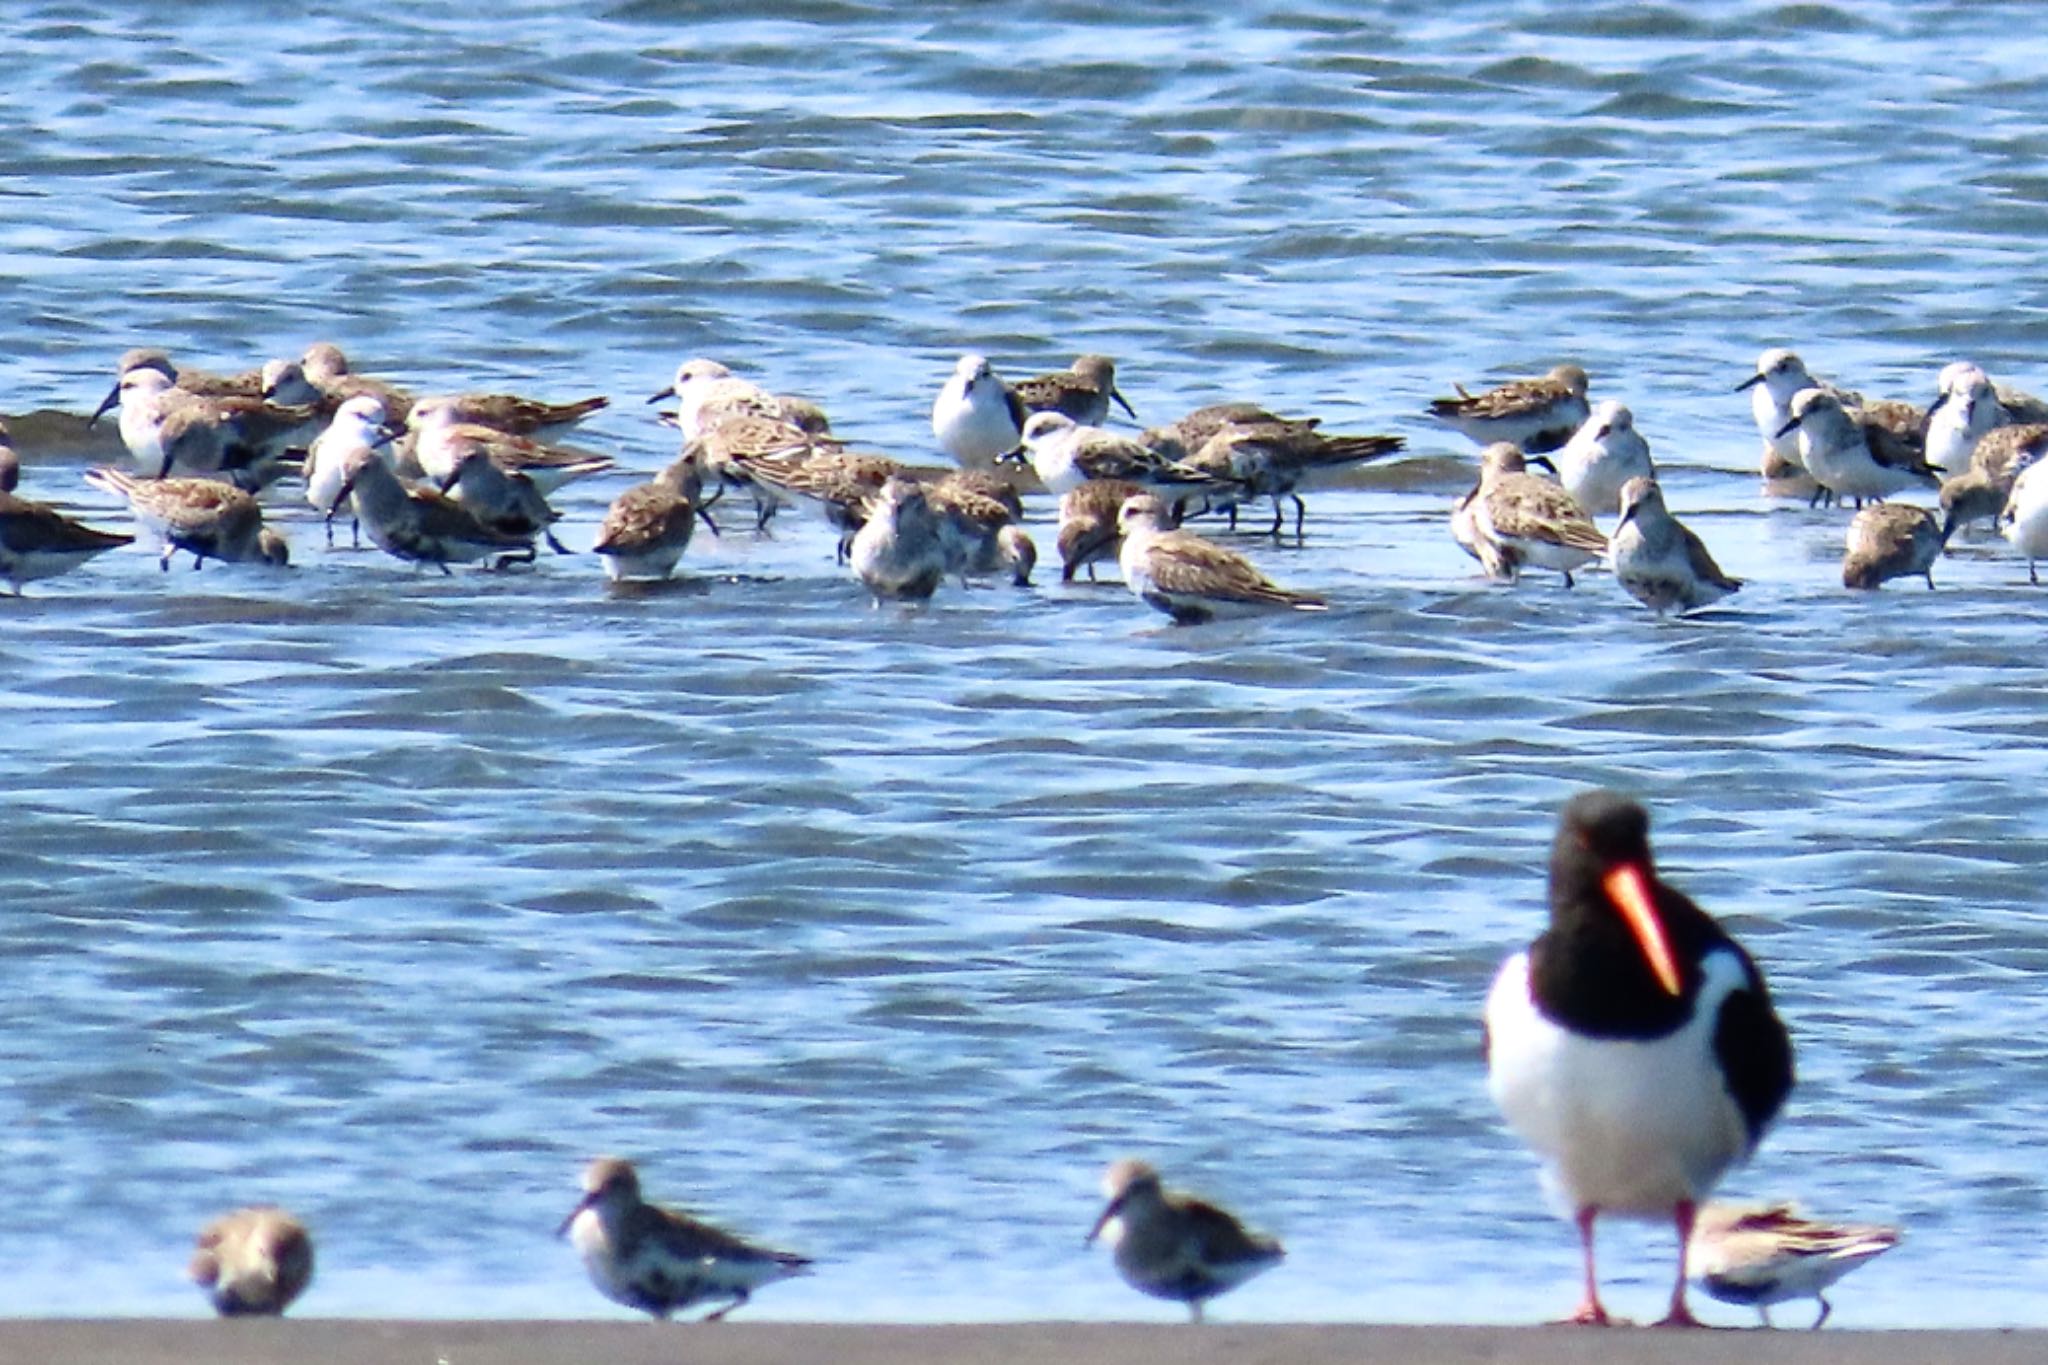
<point x="464" y="478"/>
<point x="1633" y="1046"/>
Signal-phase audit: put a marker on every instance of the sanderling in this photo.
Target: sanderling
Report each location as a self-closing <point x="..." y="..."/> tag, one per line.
<point x="441" y="439"/>
<point x="168" y="430"/>
<point x="248" y="384"/>
<point x="976" y="416"/>
<point x="979" y="531"/>
<point x="423" y="525"/>
<point x="1088" y="524"/>
<point x="1081" y="392"/>
<point x="253" y="1262"/>
<point x="1516" y="519"/>
<point x="1602" y="455"/>
<point x="1633" y="1045"/>
<point x="1189" y="578"/>
<point x="1758" y="1255"/>
<point x="1780" y="377"/>
<point x="359" y="424"/>
<point x="660" y="1261"/>
<point x="1658" y="561"/>
<point x="1535" y="414"/>
<point x="1964" y="411"/>
<point x="1979" y="493"/>
<point x="2024" y="519"/>
<point x="204" y="517"/>
<point x="648" y="526"/>
<point x="900" y="551"/>
<point x="1171" y="1245"/>
<point x="1276" y="458"/>
<point x="1065" y="453"/>
<point x="1851" y="455"/>
<point x="37" y="541"/>
<point x="702" y="387"/>
<point x="509" y="503"/>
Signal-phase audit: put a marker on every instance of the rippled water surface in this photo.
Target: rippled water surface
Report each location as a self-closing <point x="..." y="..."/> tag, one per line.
<point x="393" y="897"/>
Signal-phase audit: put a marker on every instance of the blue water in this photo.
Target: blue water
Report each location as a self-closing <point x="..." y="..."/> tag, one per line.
<point x="393" y="898"/>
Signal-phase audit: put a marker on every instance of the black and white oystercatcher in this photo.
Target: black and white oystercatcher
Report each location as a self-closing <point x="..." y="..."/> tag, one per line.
<point x="1633" y="1045"/>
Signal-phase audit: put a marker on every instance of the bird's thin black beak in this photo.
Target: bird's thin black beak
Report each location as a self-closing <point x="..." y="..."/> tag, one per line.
<point x="454" y="477"/>
<point x="584" y="1203"/>
<point x="1017" y="456"/>
<point x="386" y="435"/>
<point x="1109" y="1211"/>
<point x="1543" y="462"/>
<point x="1122" y="404"/>
<point x="1750" y="382"/>
<point x="1786" y="430"/>
<point x="113" y="397"/>
<point x="668" y="392"/>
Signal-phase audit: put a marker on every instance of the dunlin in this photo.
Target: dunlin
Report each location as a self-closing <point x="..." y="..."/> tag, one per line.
<point x="1276" y="458"/>
<point x="248" y="384"/>
<point x="422" y="525"/>
<point x="900" y="552"/>
<point x="1189" y="578"/>
<point x="1979" y="493"/>
<point x="1658" y="561"/>
<point x="168" y="430"/>
<point x="660" y="1261"/>
<point x="325" y="368"/>
<point x="1852" y="455"/>
<point x="839" y="483"/>
<point x="1536" y="414"/>
<point x="1088" y="524"/>
<point x="1081" y="392"/>
<point x="1633" y="1046"/>
<point x="441" y="439"/>
<point x="649" y="525"/>
<point x="1758" y="1255"/>
<point x="507" y="503"/>
<point x="980" y="532"/>
<point x="732" y="438"/>
<point x="359" y="424"/>
<point x="2024" y="520"/>
<point x="253" y="1262"/>
<point x="1780" y="377"/>
<point x="976" y="416"/>
<point x="1888" y="541"/>
<point x="1602" y="455"/>
<point x="1179" y="439"/>
<point x="205" y="518"/>
<point x="1065" y="453"/>
<point x="1172" y="1245"/>
<point x="38" y="541"/>
<point x="1516" y="519"/>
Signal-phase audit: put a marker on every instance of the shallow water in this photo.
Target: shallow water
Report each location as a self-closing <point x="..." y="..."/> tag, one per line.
<point x="392" y="897"/>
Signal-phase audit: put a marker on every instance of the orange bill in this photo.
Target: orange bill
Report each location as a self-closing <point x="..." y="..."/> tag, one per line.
<point x="1628" y="887"/>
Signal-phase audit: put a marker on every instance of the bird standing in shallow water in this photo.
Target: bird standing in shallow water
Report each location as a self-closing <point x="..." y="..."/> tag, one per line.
<point x="1633" y="1045"/>
<point x="1761" y="1255"/>
<point x="659" y="1261"/>
<point x="1172" y="1245"/>
<point x="253" y="1262"/>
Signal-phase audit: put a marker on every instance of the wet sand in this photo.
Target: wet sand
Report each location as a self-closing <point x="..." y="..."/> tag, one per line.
<point x="344" y="1342"/>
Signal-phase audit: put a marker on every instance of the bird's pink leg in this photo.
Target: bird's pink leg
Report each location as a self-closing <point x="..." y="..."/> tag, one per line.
<point x="1590" y="1313"/>
<point x="1681" y="1316"/>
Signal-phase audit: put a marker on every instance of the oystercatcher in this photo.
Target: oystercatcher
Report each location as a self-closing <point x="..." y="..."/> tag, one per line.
<point x="1633" y="1045"/>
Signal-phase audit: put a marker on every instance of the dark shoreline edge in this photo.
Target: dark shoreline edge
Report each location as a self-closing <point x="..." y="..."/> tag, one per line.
<point x="337" y="1341"/>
